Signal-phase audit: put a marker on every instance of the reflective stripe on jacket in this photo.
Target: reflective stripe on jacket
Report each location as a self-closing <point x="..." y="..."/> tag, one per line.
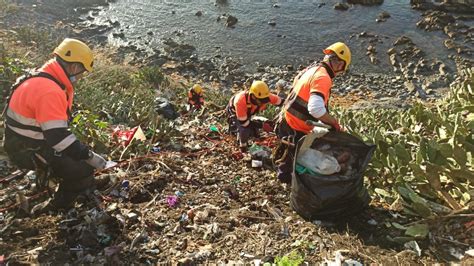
<point x="243" y="108"/>
<point x="39" y="110"/>
<point x="314" y="80"/>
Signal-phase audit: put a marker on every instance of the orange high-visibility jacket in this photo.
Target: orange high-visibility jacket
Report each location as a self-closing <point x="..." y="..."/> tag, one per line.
<point x="194" y="98"/>
<point x="314" y="80"/>
<point x="39" y="110"/>
<point x="243" y="108"/>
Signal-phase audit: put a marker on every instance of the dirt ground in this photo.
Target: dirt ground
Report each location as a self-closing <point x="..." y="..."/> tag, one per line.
<point x="225" y="211"/>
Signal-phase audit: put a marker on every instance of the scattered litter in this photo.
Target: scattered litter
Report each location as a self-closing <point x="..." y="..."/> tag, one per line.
<point x="318" y="162"/>
<point x="372" y="222"/>
<point x="125" y="184"/>
<point x="413" y="245"/>
<point x="165" y="108"/>
<point x="246" y="255"/>
<point x="341" y="260"/>
<point x="256" y="164"/>
<point x="456" y="253"/>
<point x="110" y="164"/>
<point x="172" y="201"/>
<point x="213" y="128"/>
<point x="31" y="175"/>
<point x="125" y="136"/>
<point x="470" y="252"/>
<point x="259" y="152"/>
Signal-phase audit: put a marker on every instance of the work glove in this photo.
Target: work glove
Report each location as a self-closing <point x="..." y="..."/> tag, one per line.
<point x="96" y="161"/>
<point x="267" y="127"/>
<point x="336" y="126"/>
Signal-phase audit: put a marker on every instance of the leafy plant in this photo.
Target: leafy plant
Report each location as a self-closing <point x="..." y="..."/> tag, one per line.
<point x="424" y="154"/>
<point x="292" y="259"/>
<point x="91" y="130"/>
<point x="7" y="7"/>
<point x="11" y="67"/>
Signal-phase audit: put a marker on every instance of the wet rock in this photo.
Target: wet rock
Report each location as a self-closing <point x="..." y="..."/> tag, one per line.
<point x="365" y="2"/>
<point x="371" y="49"/>
<point x="420" y="93"/>
<point x="443" y="69"/>
<point x="341" y="6"/>
<point x="456" y="6"/>
<point x="373" y="59"/>
<point x="231" y="21"/>
<point x="403" y="40"/>
<point x="174" y="49"/>
<point x="365" y="34"/>
<point x="391" y="51"/>
<point x="198" y="14"/>
<point x="382" y="17"/>
<point x="150" y="33"/>
<point x="120" y="35"/>
<point x="435" y="20"/>
<point x="449" y="43"/>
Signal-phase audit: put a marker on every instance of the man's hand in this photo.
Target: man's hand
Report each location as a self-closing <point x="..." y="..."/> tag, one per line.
<point x="337" y="126"/>
<point x="330" y="120"/>
<point x="96" y="161"/>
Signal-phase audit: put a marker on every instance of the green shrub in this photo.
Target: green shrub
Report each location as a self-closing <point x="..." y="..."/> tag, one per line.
<point x="11" y="67"/>
<point x="7" y="7"/>
<point x="292" y="259"/>
<point x="120" y="93"/>
<point x="423" y="151"/>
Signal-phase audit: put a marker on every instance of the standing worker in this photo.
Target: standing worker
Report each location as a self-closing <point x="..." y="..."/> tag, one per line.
<point x="36" y="127"/>
<point x="243" y="105"/>
<point x="309" y="100"/>
<point x="195" y="97"/>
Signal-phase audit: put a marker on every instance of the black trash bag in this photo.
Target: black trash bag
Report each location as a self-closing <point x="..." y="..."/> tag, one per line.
<point x="165" y="108"/>
<point x="331" y="197"/>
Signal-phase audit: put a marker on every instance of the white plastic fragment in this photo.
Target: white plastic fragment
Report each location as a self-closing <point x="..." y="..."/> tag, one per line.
<point x="412" y="245"/>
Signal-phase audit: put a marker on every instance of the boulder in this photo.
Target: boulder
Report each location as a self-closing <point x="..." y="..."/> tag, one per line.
<point x="231" y="21"/>
<point x="341" y="6"/>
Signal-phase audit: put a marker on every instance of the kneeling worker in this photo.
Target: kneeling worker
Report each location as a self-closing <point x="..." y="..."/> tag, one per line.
<point x="37" y="136"/>
<point x="243" y="105"/>
<point x="195" y="97"/>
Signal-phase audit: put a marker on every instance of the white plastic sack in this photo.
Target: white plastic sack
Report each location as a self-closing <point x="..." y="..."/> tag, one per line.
<point x="318" y="162"/>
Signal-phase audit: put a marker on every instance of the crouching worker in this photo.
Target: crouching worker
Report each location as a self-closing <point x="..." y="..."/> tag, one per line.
<point x="243" y="105"/>
<point x="36" y="127"/>
<point x="195" y="97"/>
<point x="309" y="100"/>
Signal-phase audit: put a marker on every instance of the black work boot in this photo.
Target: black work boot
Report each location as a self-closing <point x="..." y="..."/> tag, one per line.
<point x="61" y="200"/>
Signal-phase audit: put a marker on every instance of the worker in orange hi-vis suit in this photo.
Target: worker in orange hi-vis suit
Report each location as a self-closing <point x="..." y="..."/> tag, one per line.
<point x="195" y="97"/>
<point x="309" y="100"/>
<point x="243" y="105"/>
<point x="36" y="128"/>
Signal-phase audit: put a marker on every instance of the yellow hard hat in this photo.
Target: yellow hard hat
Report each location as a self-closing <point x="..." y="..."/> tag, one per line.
<point x="197" y="88"/>
<point x="342" y="52"/>
<point x="259" y="89"/>
<point x="75" y="51"/>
